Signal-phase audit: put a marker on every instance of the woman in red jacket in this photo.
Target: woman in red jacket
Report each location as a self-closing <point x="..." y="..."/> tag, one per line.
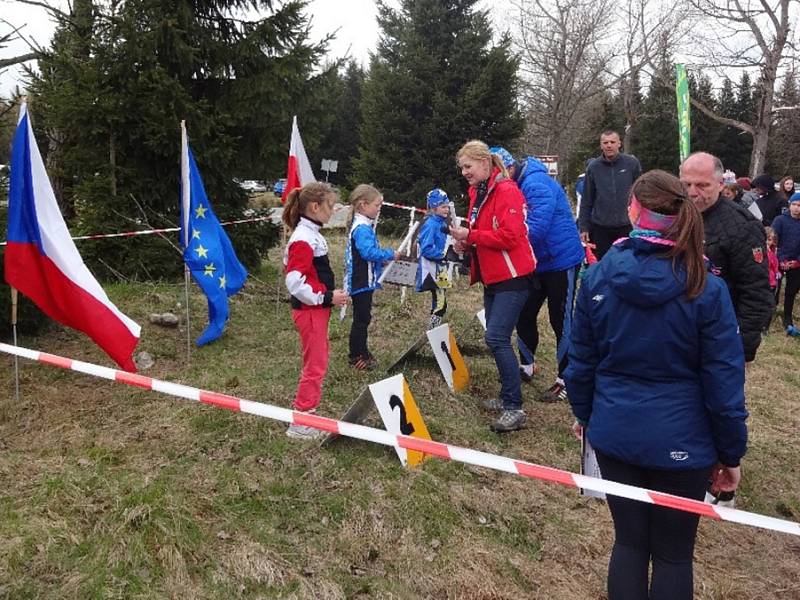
<point x="502" y="259"/>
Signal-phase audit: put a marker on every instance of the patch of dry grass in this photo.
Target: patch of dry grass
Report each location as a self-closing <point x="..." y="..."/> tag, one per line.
<point x="113" y="492"/>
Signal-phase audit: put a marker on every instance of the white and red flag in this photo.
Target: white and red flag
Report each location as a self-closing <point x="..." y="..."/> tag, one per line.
<point x="299" y="170"/>
<point x="42" y="262"/>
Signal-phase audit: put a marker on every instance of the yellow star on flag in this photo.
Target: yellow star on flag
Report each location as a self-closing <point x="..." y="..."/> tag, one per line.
<point x="222" y="281"/>
<point x="195" y="234"/>
<point x="201" y="252"/>
<point x="200" y="212"/>
<point x="209" y="270"/>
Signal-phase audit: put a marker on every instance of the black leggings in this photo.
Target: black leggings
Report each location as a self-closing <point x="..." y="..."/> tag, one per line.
<point x="792" y="287"/>
<point x="362" y="315"/>
<point x="604" y="237"/>
<point x="645" y="532"/>
<point x="554" y="286"/>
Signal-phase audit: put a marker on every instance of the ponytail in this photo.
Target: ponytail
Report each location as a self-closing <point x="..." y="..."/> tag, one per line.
<point x="299" y="198"/>
<point x="291" y="210"/>
<point x="664" y="193"/>
<point x="688" y="237"/>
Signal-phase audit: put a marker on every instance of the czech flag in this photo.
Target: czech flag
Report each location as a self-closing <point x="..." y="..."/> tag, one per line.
<point x="299" y="172"/>
<point x="42" y="262"/>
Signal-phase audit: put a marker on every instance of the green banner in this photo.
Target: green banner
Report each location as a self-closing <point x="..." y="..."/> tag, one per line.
<point x="684" y="111"/>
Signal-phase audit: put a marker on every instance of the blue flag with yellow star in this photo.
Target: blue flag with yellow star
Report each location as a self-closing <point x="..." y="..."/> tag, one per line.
<point x="207" y="251"/>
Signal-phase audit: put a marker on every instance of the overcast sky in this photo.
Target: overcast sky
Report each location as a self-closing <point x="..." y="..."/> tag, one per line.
<point x="354" y="19"/>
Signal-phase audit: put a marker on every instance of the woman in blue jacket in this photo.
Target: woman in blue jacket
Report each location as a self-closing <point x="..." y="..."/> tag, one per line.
<point x="557" y="246"/>
<point x="656" y="376"/>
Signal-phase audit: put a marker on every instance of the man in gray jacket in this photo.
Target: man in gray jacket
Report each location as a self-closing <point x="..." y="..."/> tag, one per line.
<point x="603" y="216"/>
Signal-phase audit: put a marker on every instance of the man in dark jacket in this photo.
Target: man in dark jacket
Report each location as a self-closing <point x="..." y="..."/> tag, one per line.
<point x="735" y="243"/>
<point x="603" y="216"/>
<point x="770" y="201"/>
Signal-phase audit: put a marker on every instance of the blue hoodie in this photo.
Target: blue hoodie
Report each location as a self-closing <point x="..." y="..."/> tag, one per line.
<point x="658" y="378"/>
<point x="551" y="226"/>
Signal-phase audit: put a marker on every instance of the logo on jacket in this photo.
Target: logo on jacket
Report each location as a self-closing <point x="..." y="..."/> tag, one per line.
<point x="598" y="297"/>
<point x="678" y="455"/>
<point x="758" y="254"/>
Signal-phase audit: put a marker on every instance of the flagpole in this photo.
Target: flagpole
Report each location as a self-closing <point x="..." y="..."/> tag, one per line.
<point x="185" y="224"/>
<point x="14" y="296"/>
<point x="188" y="326"/>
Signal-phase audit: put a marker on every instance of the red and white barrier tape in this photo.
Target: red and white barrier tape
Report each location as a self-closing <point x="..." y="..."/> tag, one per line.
<point x="377" y="436"/>
<point x="98" y="236"/>
<point x="404" y="207"/>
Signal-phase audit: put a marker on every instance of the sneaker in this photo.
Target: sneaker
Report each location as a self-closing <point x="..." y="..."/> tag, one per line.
<point x="556" y="393"/>
<point x="492" y="404"/>
<point x="524" y="375"/>
<point x="792" y="331"/>
<point x="304" y="432"/>
<point x="726" y="499"/>
<point x="509" y="420"/>
<point x="434" y="322"/>
<point x="364" y="363"/>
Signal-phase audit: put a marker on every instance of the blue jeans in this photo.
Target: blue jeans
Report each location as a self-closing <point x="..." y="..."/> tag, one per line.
<point x="502" y="314"/>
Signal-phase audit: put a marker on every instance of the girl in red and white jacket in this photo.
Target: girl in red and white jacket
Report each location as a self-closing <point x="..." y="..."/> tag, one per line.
<point x="309" y="279"/>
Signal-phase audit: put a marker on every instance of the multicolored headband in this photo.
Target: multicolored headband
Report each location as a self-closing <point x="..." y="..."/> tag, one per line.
<point x="644" y="218"/>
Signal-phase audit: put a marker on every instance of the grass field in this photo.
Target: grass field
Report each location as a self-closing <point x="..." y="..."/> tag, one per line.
<point x="108" y="491"/>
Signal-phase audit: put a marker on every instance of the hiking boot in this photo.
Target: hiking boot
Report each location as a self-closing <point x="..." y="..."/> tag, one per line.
<point x="509" y="420"/>
<point x="304" y="432"/>
<point x="556" y="393"/>
<point x="364" y="363"/>
<point x="792" y="331"/>
<point x="492" y="404"/>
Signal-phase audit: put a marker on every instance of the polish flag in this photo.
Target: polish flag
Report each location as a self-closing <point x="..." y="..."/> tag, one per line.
<point x="299" y="170"/>
<point x="42" y="262"/>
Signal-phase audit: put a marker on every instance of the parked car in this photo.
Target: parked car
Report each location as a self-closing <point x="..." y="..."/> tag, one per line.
<point x="253" y="186"/>
<point x="279" y="186"/>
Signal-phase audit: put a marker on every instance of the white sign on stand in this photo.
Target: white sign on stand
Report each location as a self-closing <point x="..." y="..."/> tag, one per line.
<point x="400" y="415"/>
<point x="451" y="363"/>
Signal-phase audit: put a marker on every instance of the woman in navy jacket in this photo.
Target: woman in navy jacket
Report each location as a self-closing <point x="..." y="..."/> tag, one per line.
<point x="656" y="375"/>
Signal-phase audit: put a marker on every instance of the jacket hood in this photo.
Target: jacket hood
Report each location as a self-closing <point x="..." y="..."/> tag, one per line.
<point x="528" y="166"/>
<point x="638" y="273"/>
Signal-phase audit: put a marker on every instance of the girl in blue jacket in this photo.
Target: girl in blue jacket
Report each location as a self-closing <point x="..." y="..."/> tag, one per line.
<point x="432" y="242"/>
<point x="656" y="376"/>
<point x="364" y="259"/>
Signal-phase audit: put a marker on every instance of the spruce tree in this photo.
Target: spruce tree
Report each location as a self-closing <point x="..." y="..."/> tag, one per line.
<point x="119" y="79"/>
<point x="436" y="81"/>
<point x="745" y="111"/>
<point x="784" y="141"/>
<point x="341" y="140"/>
<point x="657" y="139"/>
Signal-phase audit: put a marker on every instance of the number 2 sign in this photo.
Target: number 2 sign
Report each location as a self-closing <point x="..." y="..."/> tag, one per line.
<point x="400" y="414"/>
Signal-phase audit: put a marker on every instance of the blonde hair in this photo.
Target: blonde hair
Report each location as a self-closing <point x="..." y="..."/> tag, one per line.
<point x="299" y="198"/>
<point x="478" y="150"/>
<point x="363" y="194"/>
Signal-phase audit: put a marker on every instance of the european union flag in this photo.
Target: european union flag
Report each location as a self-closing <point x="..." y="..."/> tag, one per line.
<point x="207" y="251"/>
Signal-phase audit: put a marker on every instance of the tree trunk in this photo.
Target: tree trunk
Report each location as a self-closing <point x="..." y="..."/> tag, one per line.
<point x="112" y="161"/>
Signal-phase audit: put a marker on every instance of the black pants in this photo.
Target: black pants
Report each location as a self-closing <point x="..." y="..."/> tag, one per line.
<point x="558" y="288"/>
<point x="604" y="237"/>
<point x="362" y="315"/>
<point x="790" y="292"/>
<point x="645" y="532"/>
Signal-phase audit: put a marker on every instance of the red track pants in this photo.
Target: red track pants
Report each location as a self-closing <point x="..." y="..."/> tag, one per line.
<point x="312" y="325"/>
